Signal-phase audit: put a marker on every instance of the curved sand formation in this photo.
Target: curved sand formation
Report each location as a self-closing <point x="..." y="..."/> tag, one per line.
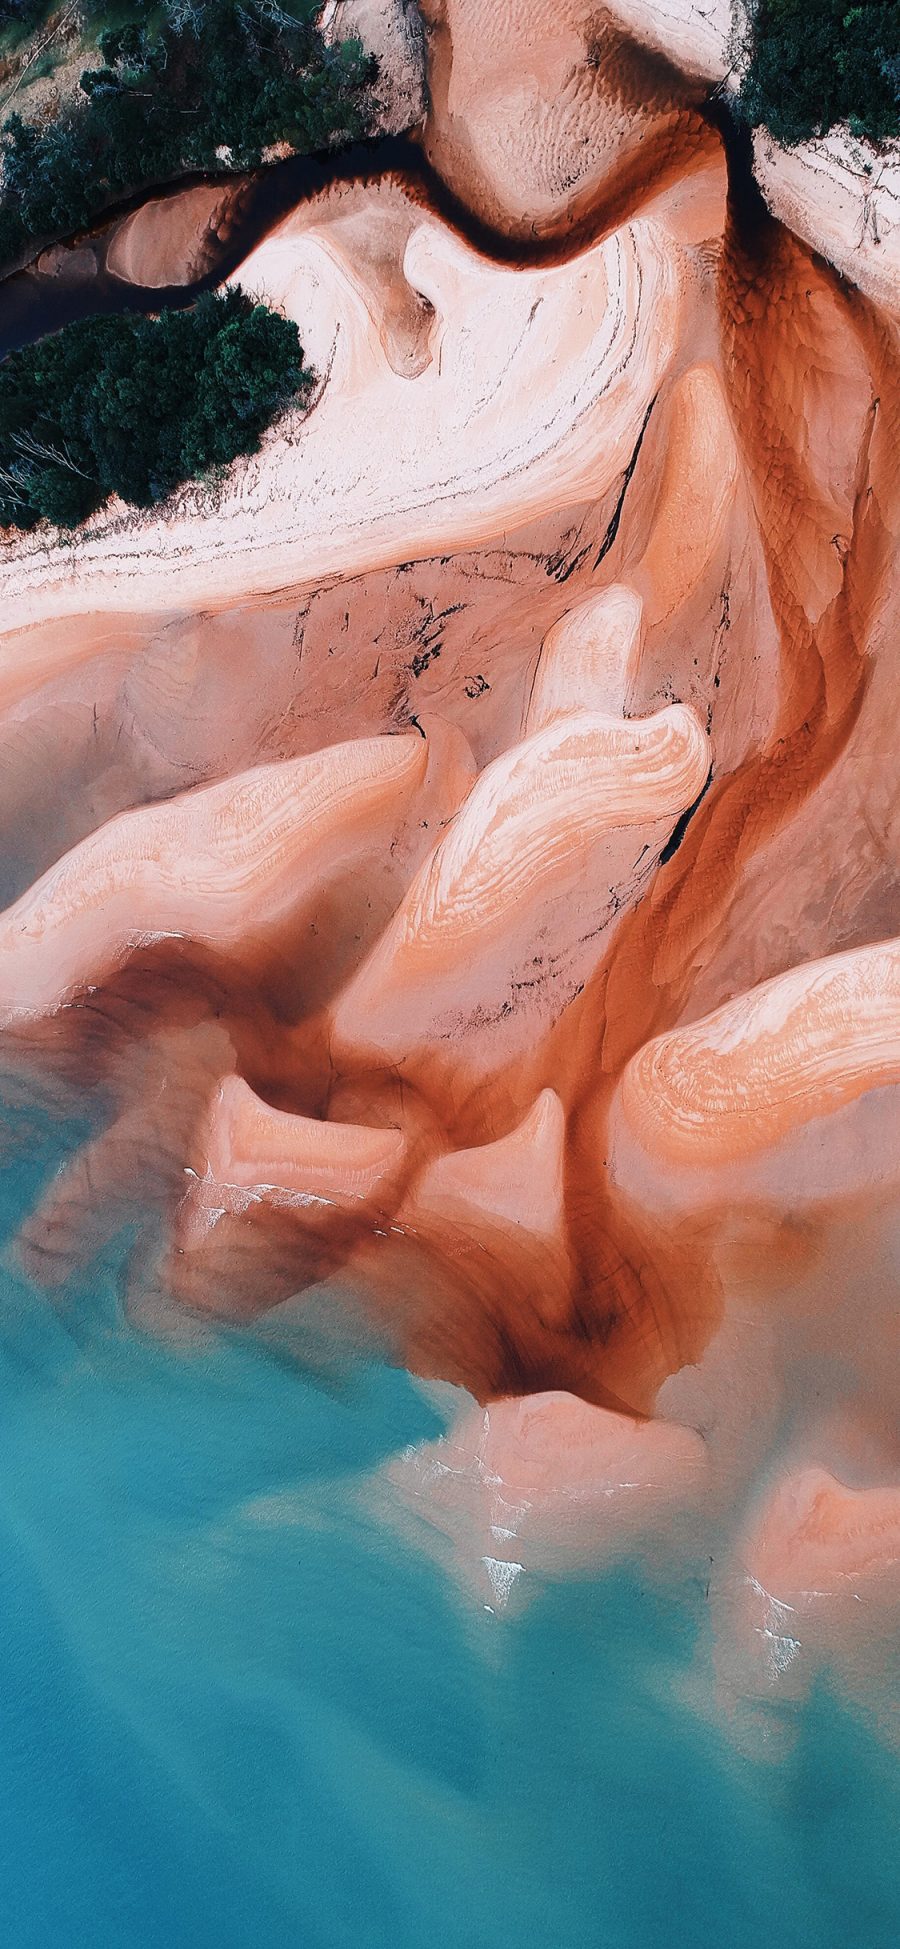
<point x="816" y="1537"/>
<point x="531" y="398"/>
<point x="246" y="856"/>
<point x="527" y="1179"/>
<point x="541" y="111"/>
<point x="515" y="1182"/>
<point x="481" y="1231"/>
<point x="174" y="239"/>
<point x="276" y="1204"/>
<point x="307" y="1189"/>
<point x="253" y="1147"/>
<point x="589" y="659"/>
<point x="818" y="1586"/>
<point x="554" y="839"/>
<point x="696" y="493"/>
<point x="798" y="1047"/>
<point x="543" y="108"/>
<point x="493" y="1217"/>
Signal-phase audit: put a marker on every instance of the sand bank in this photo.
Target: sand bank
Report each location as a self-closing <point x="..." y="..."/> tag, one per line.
<point x="531" y="397"/>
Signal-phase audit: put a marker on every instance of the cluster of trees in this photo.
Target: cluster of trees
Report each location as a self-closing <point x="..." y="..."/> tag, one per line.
<point x="174" y="90"/>
<point x="24" y="15"/>
<point x="21" y="13"/>
<point x="817" y="62"/>
<point x="135" y="406"/>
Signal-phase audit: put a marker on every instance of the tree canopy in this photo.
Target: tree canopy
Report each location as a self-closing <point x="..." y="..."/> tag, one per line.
<point x="134" y="406"/>
<point x="814" y="63"/>
<point x="193" y="85"/>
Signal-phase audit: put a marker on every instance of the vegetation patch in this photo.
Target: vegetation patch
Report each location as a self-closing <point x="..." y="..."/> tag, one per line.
<point x="189" y="85"/>
<point x="814" y="63"/>
<point x="134" y="406"/>
<point x="22" y="15"/>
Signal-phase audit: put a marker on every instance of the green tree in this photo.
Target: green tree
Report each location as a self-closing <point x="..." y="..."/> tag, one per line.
<point x="814" y="63"/>
<point x="173" y="91"/>
<point x="134" y="406"/>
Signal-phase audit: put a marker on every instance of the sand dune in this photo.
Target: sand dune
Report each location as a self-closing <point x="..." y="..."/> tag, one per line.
<point x="502" y="924"/>
<point x="541" y="111"/>
<point x="227" y="867"/>
<point x="798" y="1047"/>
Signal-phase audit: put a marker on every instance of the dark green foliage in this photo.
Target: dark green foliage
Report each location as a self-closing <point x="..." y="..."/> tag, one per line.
<point x="134" y="406"/>
<point x="22" y="13"/>
<point x="818" y="62"/>
<point x="233" y="75"/>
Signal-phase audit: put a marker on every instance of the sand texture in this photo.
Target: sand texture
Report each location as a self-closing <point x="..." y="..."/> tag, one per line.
<point x="460" y="849"/>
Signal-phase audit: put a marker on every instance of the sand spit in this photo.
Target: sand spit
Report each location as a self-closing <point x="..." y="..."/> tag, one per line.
<point x="589" y="659"/>
<point x="799" y="1046"/>
<point x="251" y="1146"/>
<point x="555" y="838"/>
<point x="175" y="239"/>
<point x="531" y="396"/>
<point x="544" y="1484"/>
<point x="198" y="868"/>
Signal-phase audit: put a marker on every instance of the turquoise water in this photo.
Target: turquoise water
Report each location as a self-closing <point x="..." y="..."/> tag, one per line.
<point x="238" y="1712"/>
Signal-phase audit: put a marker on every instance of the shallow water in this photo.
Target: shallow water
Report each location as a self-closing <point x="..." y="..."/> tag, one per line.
<point x="240" y="1710"/>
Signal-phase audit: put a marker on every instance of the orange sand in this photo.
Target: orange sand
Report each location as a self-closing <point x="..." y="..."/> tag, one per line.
<point x="484" y="816"/>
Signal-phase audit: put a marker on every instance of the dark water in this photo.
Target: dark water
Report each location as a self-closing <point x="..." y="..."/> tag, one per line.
<point x="32" y="305"/>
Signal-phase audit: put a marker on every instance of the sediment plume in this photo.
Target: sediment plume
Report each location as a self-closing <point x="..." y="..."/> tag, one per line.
<point x="546" y="1483"/>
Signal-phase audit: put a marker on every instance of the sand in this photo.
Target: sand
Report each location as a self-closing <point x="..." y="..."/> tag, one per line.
<point x="585" y="347"/>
<point x="843" y="197"/>
<point x="484" y="810"/>
<point x="174" y="239"/>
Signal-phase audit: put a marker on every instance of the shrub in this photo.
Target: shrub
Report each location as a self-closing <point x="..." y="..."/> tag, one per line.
<point x="134" y="406"/>
<point x="817" y="62"/>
